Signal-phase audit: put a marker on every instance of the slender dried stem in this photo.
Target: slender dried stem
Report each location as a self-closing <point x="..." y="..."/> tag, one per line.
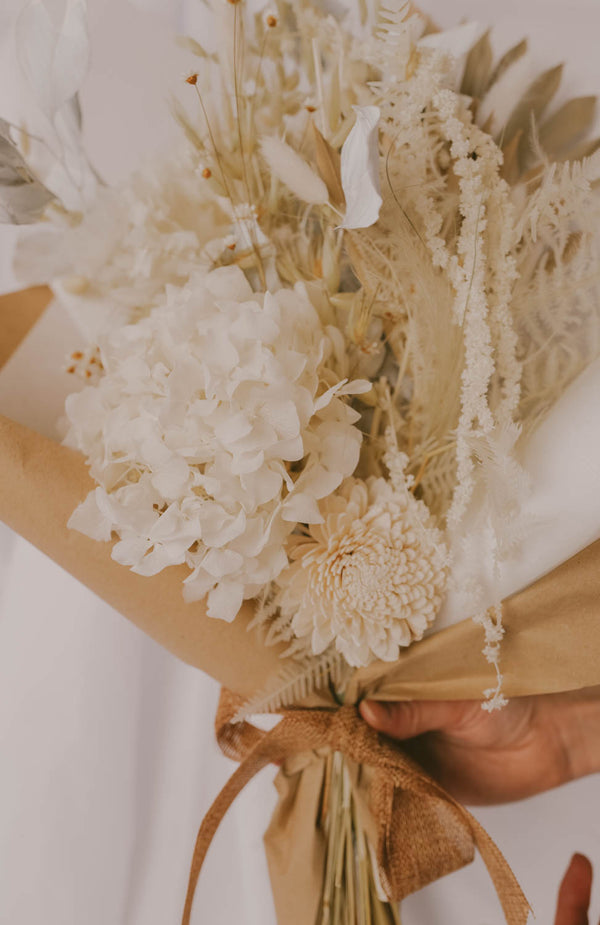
<point x="350" y="892"/>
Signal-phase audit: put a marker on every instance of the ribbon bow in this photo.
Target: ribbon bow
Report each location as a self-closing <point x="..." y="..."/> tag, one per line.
<point x="423" y="833"/>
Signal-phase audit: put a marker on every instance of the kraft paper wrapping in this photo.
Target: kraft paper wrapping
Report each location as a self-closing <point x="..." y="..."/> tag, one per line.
<point x="552" y="644"/>
<point x="40" y="486"/>
<point x="552" y="640"/>
<point x="295" y="846"/>
<point x="18" y="313"/>
<point x="42" y="482"/>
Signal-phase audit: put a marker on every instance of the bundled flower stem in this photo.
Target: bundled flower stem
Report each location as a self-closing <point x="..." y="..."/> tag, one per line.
<point x="351" y="893"/>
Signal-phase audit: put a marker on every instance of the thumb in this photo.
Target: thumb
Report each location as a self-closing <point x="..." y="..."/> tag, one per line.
<point x="405" y="720"/>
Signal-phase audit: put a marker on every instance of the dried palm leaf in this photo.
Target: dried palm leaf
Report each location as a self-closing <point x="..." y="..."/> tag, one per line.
<point x="530" y="109"/>
<point x="527" y="136"/>
<point x="329" y="164"/>
<point x="560" y="133"/>
<point x="478" y="68"/>
<point x="506" y="61"/>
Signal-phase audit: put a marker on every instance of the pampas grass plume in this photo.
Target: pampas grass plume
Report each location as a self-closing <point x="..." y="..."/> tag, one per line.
<point x="293" y="170"/>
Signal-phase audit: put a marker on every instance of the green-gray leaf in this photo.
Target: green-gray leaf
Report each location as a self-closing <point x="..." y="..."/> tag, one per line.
<point x="533" y="103"/>
<point x="23" y="204"/>
<point x="23" y="197"/>
<point x="568" y="126"/>
<point x="478" y="68"/>
<point x="507" y="60"/>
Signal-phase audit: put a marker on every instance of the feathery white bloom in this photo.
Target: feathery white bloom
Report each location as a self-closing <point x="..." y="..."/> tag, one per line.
<point x="456" y="44"/>
<point x="293" y="170"/>
<point x="370" y="578"/>
<point x="137" y="239"/>
<point x="192" y="432"/>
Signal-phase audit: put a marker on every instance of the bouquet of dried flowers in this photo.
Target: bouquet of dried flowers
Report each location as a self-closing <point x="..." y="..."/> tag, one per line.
<point x="313" y="338"/>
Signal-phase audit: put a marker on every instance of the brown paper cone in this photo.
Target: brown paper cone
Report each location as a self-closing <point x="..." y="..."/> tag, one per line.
<point x="40" y="486"/>
<point x="18" y="313"/>
<point x="294" y="842"/>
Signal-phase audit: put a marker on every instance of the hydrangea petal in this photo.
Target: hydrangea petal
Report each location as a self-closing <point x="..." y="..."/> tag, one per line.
<point x="302" y="508"/>
<point x="225" y="600"/>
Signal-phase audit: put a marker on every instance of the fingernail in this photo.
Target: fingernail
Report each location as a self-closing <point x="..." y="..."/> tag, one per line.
<point x="581" y="864"/>
<point x="579" y="858"/>
<point x="373" y="712"/>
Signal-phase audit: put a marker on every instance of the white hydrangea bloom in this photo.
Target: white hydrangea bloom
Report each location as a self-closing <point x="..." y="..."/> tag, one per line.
<point x="370" y="577"/>
<point x="212" y="433"/>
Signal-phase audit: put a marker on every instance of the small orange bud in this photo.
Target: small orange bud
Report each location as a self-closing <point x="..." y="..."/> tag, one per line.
<point x="88" y="374"/>
<point x="77" y="355"/>
<point x="207" y="173"/>
<point x="192" y="79"/>
<point x="231" y="247"/>
<point x="310" y="108"/>
<point x="71" y="370"/>
<point x="271" y="21"/>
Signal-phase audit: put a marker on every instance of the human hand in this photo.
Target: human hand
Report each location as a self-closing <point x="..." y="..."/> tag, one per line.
<point x="532" y="745"/>
<point x="574" y="894"/>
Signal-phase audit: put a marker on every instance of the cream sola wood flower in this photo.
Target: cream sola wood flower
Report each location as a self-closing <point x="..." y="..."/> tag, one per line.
<point x="214" y="430"/>
<point x="370" y="578"/>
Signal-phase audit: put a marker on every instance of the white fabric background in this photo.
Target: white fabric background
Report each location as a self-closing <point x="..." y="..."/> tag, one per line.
<point x="107" y="760"/>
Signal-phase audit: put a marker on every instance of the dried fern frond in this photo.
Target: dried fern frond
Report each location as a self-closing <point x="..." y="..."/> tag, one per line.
<point x="397" y="28"/>
<point x="556" y="301"/>
<point x="296" y="682"/>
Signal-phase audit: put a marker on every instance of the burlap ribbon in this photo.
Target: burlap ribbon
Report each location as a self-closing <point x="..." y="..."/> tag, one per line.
<point x="422" y="832"/>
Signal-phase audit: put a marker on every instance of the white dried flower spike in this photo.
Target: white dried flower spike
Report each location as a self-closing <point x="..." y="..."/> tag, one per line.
<point x="370" y="578"/>
<point x="456" y="44"/>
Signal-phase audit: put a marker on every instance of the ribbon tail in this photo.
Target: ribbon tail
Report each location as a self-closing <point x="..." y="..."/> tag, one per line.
<point x="513" y="900"/>
<point x="259" y="758"/>
<point x="424" y="833"/>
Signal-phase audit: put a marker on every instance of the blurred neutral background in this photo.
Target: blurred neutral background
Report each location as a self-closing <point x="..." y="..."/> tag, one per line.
<point x="107" y="760"/>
